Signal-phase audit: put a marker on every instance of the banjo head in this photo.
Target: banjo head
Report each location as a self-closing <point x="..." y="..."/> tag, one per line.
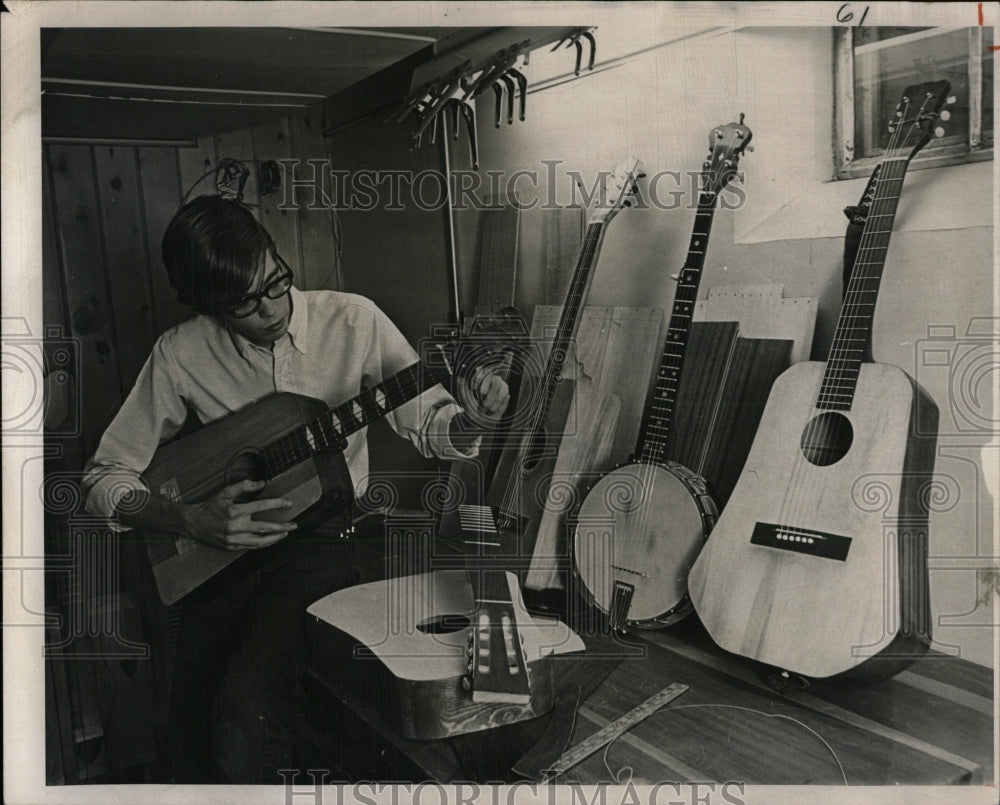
<point x="642" y="525"/>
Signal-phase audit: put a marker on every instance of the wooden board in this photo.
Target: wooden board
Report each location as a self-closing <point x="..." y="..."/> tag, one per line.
<point x="616" y="348"/>
<point x="755" y="366"/>
<point x="193" y="164"/>
<point x="161" y="196"/>
<point x="763" y="312"/>
<point x="707" y="363"/>
<point x="312" y="196"/>
<point x="585" y="449"/>
<point x="498" y="238"/>
<point x="78" y="222"/>
<point x="562" y="230"/>
<point x="125" y="253"/>
<point x="271" y="141"/>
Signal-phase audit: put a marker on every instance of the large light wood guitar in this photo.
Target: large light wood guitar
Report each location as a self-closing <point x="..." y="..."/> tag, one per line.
<point x="818" y="563"/>
<point x="640" y="527"/>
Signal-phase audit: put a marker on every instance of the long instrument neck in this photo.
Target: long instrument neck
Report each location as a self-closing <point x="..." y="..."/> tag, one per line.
<point x="852" y="338"/>
<point x="660" y="412"/>
<point x="328" y="430"/>
<point x="569" y="321"/>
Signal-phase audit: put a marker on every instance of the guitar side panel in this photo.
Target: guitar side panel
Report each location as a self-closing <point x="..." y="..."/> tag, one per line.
<point x="811" y="614"/>
<point x="369" y="638"/>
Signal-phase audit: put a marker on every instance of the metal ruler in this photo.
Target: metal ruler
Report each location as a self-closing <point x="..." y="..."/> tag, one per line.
<point x="607" y="734"/>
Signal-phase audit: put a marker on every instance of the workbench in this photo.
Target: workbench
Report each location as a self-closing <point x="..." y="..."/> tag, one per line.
<point x="931" y="724"/>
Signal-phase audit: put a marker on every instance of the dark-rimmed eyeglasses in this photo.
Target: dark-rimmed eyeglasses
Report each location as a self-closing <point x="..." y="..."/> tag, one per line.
<point x="275" y="289"/>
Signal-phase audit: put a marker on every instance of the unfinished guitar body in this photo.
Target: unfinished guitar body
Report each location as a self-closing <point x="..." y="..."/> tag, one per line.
<point x="402" y="644"/>
<point x="818" y="562"/>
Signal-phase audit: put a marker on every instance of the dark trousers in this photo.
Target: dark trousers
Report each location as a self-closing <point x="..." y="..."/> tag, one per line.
<point x="236" y="693"/>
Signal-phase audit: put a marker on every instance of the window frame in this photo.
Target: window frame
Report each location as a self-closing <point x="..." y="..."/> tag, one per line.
<point x="845" y="164"/>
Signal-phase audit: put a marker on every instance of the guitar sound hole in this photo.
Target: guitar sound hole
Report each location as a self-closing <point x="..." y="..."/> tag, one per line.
<point x="827" y="438"/>
<point x="245" y="464"/>
<point x="535" y="452"/>
<point x="444" y="624"/>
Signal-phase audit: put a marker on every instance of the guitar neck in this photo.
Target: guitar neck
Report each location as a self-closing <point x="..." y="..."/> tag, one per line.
<point x="569" y="321"/>
<point x="328" y="431"/>
<point x="659" y="415"/>
<point x="852" y="338"/>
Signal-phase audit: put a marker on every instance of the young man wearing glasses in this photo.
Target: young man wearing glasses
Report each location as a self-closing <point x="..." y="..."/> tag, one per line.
<point x="240" y="649"/>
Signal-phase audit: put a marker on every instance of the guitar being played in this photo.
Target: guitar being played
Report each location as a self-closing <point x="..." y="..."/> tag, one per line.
<point x="276" y="377"/>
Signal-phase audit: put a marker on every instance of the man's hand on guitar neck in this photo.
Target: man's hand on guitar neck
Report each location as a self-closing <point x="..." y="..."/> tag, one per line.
<point x="223" y="521"/>
<point x="485" y="397"/>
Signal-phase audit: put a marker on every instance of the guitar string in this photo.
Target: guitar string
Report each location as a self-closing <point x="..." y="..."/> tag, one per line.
<point x="819" y="431"/>
<point x="294" y="447"/>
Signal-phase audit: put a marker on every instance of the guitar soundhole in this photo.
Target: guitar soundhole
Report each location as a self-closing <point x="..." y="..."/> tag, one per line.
<point x="444" y="624"/>
<point x="827" y="438"/>
<point x="245" y="464"/>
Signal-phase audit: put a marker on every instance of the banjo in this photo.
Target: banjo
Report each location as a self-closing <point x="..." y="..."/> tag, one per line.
<point x="641" y="526"/>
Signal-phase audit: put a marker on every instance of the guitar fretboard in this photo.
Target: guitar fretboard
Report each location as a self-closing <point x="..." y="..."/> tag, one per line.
<point x="327" y="431"/>
<point x="569" y="321"/>
<point x="852" y="337"/>
<point x="659" y="414"/>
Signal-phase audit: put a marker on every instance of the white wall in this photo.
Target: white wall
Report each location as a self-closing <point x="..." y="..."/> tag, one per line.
<point x="939" y="272"/>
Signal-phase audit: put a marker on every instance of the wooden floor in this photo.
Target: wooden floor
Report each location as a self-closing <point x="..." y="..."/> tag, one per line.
<point x="929" y="725"/>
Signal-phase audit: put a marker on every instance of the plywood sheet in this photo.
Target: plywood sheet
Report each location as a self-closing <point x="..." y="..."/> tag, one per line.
<point x="616" y="348"/>
<point x="763" y="312"/>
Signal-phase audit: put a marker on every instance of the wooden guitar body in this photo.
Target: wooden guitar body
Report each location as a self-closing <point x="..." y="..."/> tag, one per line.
<point x="407" y="640"/>
<point x="197" y="466"/>
<point x="641" y="528"/>
<point x="818" y="561"/>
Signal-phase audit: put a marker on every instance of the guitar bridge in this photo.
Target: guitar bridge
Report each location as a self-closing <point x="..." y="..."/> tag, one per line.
<point x="801" y="540"/>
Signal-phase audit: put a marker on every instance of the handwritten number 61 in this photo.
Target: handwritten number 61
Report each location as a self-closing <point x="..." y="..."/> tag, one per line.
<point x="844" y="14"/>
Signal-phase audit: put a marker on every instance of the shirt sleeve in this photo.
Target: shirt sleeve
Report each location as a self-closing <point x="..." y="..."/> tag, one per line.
<point x="425" y="420"/>
<point x="153" y="412"/>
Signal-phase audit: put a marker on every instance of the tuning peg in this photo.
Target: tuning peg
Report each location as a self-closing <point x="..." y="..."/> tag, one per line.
<point x="939" y="131"/>
<point x="945" y="115"/>
<point x="640" y="176"/>
<point x="950" y="100"/>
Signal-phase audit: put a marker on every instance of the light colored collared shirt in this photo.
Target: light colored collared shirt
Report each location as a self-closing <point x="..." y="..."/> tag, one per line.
<point x="336" y="344"/>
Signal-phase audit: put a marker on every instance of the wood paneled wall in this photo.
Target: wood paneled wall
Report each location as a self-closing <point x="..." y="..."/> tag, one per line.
<point x="106" y="207"/>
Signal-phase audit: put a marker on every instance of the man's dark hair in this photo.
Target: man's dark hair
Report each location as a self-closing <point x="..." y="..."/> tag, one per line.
<point x="212" y="249"/>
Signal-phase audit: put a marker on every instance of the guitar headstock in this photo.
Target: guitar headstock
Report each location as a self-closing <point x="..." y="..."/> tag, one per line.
<point x="726" y="145"/>
<point x="498" y="666"/>
<point x="917" y="118"/>
<point x="615" y="191"/>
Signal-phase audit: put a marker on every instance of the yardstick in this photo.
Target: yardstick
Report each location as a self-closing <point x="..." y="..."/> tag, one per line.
<point x="607" y="734"/>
